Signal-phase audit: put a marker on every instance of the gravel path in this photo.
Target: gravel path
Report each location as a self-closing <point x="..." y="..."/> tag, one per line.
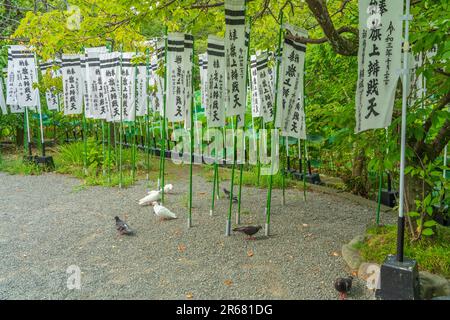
<point x="50" y="222"/>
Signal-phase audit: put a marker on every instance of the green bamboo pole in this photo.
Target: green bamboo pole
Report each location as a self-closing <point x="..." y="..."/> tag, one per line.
<point x="85" y="142"/>
<point x="241" y="165"/>
<point x="121" y="118"/>
<point x="230" y="208"/>
<point x="269" y="193"/>
<point x="306" y="150"/>
<point x="109" y="153"/>
<point x="147" y="122"/>
<point x="283" y="171"/>
<point x="134" y="150"/>
<point x="191" y="162"/>
<point x="304" y="160"/>
<point x="380" y="184"/>
<point x="163" y="129"/>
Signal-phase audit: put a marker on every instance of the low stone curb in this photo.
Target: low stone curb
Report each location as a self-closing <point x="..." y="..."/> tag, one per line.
<point x="431" y="285"/>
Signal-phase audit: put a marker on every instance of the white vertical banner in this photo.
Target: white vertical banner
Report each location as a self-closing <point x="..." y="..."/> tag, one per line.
<point x="11" y="90"/>
<point x="379" y="62"/>
<point x="141" y="89"/>
<point x="97" y="106"/>
<point x="256" y="110"/>
<point x="265" y="91"/>
<point x="72" y="80"/>
<point x="25" y="75"/>
<point x="2" y="98"/>
<point x="236" y="58"/>
<point x="156" y="80"/>
<point x="290" y="82"/>
<point x="189" y="56"/>
<point x="110" y="77"/>
<point x="128" y="89"/>
<point x="215" y="109"/>
<point x="87" y="106"/>
<point x="203" y="63"/>
<point x="51" y="97"/>
<point x="177" y="65"/>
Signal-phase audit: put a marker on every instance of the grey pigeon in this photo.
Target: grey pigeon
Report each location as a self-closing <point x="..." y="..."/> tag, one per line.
<point x="122" y="227"/>
<point x="343" y="286"/>
<point x="248" y="230"/>
<point x="228" y="194"/>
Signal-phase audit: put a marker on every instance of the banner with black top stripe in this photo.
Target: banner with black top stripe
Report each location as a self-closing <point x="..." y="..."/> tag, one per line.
<point x="189" y="56"/>
<point x="290" y="85"/>
<point x="265" y="91"/>
<point x="177" y="65"/>
<point x="111" y="86"/>
<point x="215" y="110"/>
<point x="96" y="97"/>
<point x="236" y="58"/>
<point x="72" y="80"/>
<point x="203" y="64"/>
<point x="128" y="90"/>
<point x="142" y="81"/>
<point x="24" y="75"/>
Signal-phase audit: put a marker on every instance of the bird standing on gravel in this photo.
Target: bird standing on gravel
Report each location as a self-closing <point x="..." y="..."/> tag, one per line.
<point x="163" y="212"/>
<point x="122" y="227"/>
<point x="228" y="194"/>
<point x="248" y="230"/>
<point x="343" y="286"/>
<point x="154" y="195"/>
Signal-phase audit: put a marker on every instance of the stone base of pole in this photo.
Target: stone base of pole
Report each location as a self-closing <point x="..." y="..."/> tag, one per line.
<point x="228" y="228"/>
<point x="238" y="219"/>
<point x="267" y="230"/>
<point x="398" y="280"/>
<point x="189" y="222"/>
<point x="210" y="213"/>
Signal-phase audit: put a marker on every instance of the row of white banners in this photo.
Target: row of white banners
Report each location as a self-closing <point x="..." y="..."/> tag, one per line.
<point x="113" y="87"/>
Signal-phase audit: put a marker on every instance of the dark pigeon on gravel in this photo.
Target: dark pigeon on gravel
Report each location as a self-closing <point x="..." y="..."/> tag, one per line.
<point x="248" y="230"/>
<point x="122" y="227"/>
<point x="343" y="286"/>
<point x="228" y="194"/>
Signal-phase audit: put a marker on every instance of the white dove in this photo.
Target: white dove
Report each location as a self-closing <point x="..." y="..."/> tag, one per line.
<point x="163" y="212"/>
<point x="154" y="195"/>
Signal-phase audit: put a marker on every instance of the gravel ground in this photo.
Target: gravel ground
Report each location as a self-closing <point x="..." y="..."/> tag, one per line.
<point x="50" y="222"/>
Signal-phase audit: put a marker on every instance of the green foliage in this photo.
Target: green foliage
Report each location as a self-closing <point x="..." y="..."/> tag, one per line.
<point x="432" y="255"/>
<point x="14" y="164"/>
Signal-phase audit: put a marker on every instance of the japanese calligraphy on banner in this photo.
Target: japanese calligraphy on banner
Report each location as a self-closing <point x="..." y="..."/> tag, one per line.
<point x="189" y="54"/>
<point x="265" y="91"/>
<point x="110" y="77"/>
<point x="379" y="59"/>
<point x="142" y="80"/>
<point x="236" y="57"/>
<point x="72" y="80"/>
<point x="97" y="106"/>
<point x="128" y="92"/>
<point x="256" y="110"/>
<point x="215" y="82"/>
<point x="156" y="80"/>
<point x="11" y="90"/>
<point x="51" y="97"/>
<point x="25" y="75"/>
<point x="203" y="64"/>
<point x="177" y="65"/>
<point x="290" y="82"/>
<point x="84" y="83"/>
<point x="2" y="98"/>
